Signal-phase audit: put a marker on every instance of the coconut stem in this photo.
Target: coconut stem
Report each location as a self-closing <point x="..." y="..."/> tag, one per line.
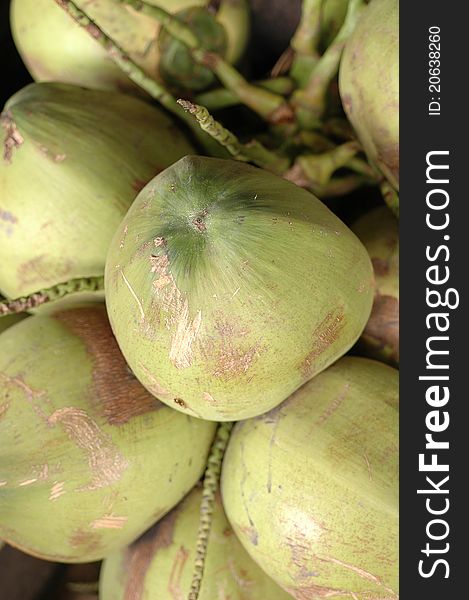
<point x="81" y="284"/>
<point x="254" y="151"/>
<point x="155" y="89"/>
<point x="391" y="197"/>
<point x="210" y="487"/>
<point x="223" y="98"/>
<point x="311" y="101"/>
<point x="270" y="106"/>
<point x="305" y="40"/>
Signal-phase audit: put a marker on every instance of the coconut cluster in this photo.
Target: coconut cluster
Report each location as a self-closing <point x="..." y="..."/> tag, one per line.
<point x="181" y="283"/>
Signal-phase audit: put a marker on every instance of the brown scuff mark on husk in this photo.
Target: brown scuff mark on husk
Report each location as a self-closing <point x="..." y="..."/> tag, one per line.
<point x="88" y="541"/>
<point x="37" y="270"/>
<point x="185" y="335"/>
<point x="57" y="158"/>
<point x="176" y="307"/>
<point x="36" y="398"/>
<point x="226" y="350"/>
<point x="121" y="396"/>
<point x="105" y="461"/>
<point x="357" y="570"/>
<point x="324" y="335"/>
<point x="13" y="138"/>
<point x="334" y="405"/>
<point x="57" y="490"/>
<point x="175" y="577"/>
<point x="139" y="555"/>
<point x="4" y="406"/>
<point x="109" y="522"/>
<point x="382" y="329"/>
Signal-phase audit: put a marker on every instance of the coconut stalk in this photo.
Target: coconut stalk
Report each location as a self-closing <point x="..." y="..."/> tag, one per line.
<point x="155" y="89"/>
<point x="223" y="98"/>
<point x="310" y="102"/>
<point x="56" y="292"/>
<point x="210" y="488"/>
<point x="305" y="41"/>
<point x="270" y="106"/>
<point x="253" y="152"/>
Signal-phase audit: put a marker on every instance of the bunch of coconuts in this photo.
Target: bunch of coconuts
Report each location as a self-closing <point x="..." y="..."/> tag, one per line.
<point x="177" y="302"/>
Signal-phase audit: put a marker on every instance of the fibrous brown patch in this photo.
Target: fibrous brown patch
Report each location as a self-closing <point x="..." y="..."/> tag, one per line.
<point x="105" y="461"/>
<point x="37" y="269"/>
<point x="87" y="541"/>
<point x="232" y="354"/>
<point x="116" y="393"/>
<point x="324" y="335"/>
<point x="13" y="138"/>
<point x="176" y="306"/>
<point x="139" y="555"/>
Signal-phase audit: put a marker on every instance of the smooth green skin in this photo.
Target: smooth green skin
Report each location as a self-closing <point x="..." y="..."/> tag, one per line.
<point x="228" y="287"/>
<point x="10" y="320"/>
<point x="369" y="85"/>
<point x="55" y="48"/>
<point x="82" y="157"/>
<point x="88" y="459"/>
<point x="311" y="488"/>
<point x="160" y="564"/>
<point x="379" y="232"/>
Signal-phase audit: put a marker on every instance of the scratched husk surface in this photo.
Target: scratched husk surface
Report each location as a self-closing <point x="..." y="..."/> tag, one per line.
<point x="228" y="287"/>
<point x="88" y="459"/>
<point x="159" y="564"/>
<point x="311" y="487"/>
<point x="73" y="161"/>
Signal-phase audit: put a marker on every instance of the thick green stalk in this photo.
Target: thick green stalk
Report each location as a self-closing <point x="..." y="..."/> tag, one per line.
<point x="210" y="487"/>
<point x="253" y="152"/>
<point x="391" y="197"/>
<point x="319" y="168"/>
<point x="155" y="89"/>
<point x="311" y="101"/>
<point x="60" y="290"/>
<point x="305" y="41"/>
<point x="223" y="98"/>
<point x="270" y="106"/>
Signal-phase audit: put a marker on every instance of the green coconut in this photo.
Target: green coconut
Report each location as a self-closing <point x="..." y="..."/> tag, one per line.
<point x="369" y="85"/>
<point x="89" y="459"/>
<point x="55" y="48"/>
<point x="231" y="287"/>
<point x="379" y="232"/>
<point x="311" y="488"/>
<point x="160" y="564"/>
<point x="176" y="64"/>
<point x="73" y="161"/>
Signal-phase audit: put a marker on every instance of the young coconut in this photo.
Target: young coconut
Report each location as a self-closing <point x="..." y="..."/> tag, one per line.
<point x="228" y="287"/>
<point x="379" y="232"/>
<point x="55" y="48"/>
<point x="311" y="488"/>
<point x="89" y="459"/>
<point x="369" y="85"/>
<point x="160" y="564"/>
<point x="73" y="161"/>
